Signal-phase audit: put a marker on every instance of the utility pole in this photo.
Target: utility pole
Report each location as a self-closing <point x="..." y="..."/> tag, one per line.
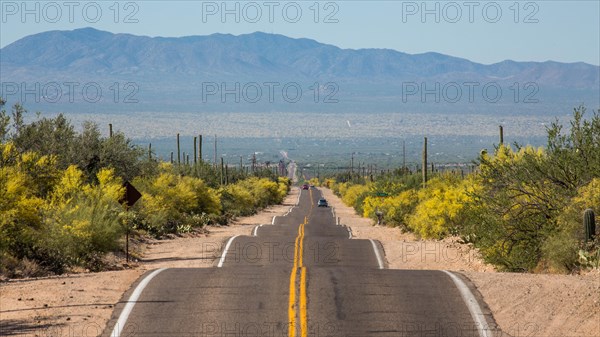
<point x="501" y="135"/>
<point x="403" y="156"/>
<point x="215" y="150"/>
<point x="221" y="170"/>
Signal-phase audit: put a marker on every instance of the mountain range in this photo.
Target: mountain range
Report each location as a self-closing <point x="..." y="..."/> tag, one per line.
<point x="167" y="74"/>
<point x="90" y="52"/>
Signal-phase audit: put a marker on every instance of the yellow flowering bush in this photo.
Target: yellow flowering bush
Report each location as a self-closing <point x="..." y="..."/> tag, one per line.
<point x="169" y="199"/>
<point x="439" y="211"/>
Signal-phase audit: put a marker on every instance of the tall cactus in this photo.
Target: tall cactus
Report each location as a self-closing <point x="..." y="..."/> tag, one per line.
<point x="589" y="224"/>
<point x="424" y="167"/>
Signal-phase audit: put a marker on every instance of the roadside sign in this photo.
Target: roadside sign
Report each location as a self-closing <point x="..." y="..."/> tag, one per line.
<point x="381" y="194"/>
<point x="132" y="195"/>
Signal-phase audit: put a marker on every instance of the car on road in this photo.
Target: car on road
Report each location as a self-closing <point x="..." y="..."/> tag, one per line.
<point x="305" y="186"/>
<point x="322" y="203"/>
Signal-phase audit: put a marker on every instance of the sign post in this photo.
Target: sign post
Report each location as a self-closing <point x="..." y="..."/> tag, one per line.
<point x="131" y="196"/>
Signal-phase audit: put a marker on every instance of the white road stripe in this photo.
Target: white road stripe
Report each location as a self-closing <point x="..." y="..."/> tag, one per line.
<point x="255" y="230"/>
<point x="299" y="194"/>
<point x="225" y="251"/>
<point x="379" y="260"/>
<point x="131" y="302"/>
<point x="472" y="304"/>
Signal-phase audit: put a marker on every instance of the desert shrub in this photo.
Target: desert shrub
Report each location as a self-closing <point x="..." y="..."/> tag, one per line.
<point x="526" y="213"/>
<point x="20" y="210"/>
<point x="395" y="208"/>
<point x="562" y="249"/>
<point x="440" y="208"/>
<point x="515" y="209"/>
<point x="283" y="187"/>
<point x="88" y="150"/>
<point x="82" y="220"/>
<point x="264" y="191"/>
<point x="169" y="200"/>
<point x="353" y="195"/>
<point x="51" y="217"/>
<point x="237" y="201"/>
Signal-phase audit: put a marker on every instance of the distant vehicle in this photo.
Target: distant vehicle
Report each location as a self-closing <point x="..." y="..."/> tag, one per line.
<point x="322" y="203"/>
<point x="312" y="186"/>
<point x="305" y="186"/>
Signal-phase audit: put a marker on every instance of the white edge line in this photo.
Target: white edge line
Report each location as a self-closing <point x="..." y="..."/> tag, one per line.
<point x="255" y="230"/>
<point x="273" y="221"/>
<point x="298" y="201"/>
<point x="472" y="304"/>
<point x="131" y="302"/>
<point x="225" y="251"/>
<point x="379" y="261"/>
<point x="349" y="232"/>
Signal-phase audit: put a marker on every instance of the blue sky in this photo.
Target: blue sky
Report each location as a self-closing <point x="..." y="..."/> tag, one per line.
<point x="482" y="31"/>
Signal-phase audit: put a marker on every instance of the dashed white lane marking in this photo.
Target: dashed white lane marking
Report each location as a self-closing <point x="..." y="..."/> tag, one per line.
<point x="377" y="255"/>
<point x="472" y="304"/>
<point x="131" y="303"/>
<point x="255" y="230"/>
<point x="225" y="251"/>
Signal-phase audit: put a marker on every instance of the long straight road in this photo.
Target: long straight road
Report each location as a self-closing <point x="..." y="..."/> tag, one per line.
<point x="302" y="275"/>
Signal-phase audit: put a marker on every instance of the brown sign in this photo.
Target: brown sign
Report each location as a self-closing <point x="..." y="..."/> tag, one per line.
<point x="132" y="195"/>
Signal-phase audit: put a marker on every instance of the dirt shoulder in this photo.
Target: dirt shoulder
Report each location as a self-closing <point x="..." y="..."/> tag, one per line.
<point x="522" y="304"/>
<point x="81" y="304"/>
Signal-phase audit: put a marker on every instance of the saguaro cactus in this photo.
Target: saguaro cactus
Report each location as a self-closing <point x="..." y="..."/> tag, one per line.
<point x="424" y="167"/>
<point x="589" y="224"/>
<point x="200" y="148"/>
<point x="195" y="150"/>
<point x="178" y="151"/>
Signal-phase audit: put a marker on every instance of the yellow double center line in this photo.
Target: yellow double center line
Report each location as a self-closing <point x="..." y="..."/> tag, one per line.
<point x="298" y="263"/>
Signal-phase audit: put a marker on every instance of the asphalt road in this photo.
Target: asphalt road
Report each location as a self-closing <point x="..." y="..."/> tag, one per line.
<point x="301" y="276"/>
